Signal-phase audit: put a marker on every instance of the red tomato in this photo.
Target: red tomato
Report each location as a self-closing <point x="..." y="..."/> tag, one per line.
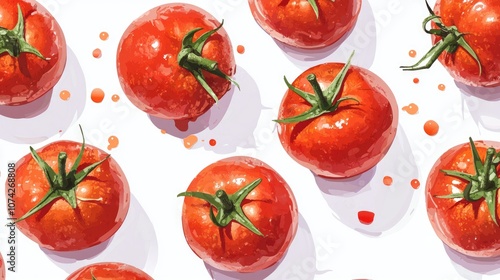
<point x="2" y="268"/>
<point x="306" y="24"/>
<point x="348" y="126"/>
<point x="82" y="207"/>
<point x="464" y="213"/>
<point x="109" y="270"/>
<point x="472" y="58"/>
<point x="32" y="66"/>
<point x="158" y="64"/>
<point x="255" y="217"/>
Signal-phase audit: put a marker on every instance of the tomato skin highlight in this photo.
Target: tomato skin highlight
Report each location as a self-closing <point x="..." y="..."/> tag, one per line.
<point x="28" y="77"/>
<point x="109" y="270"/>
<point x="294" y="22"/>
<point x="466" y="227"/>
<point x="480" y="21"/>
<point x="348" y="141"/>
<point x="103" y="200"/>
<point x="147" y="63"/>
<point x="271" y="207"/>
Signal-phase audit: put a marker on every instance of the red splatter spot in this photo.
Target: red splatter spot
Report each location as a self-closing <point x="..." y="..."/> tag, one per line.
<point x="412" y="53"/>
<point x="113" y="142"/>
<point x="411" y="109"/>
<point x="366" y="217"/>
<point x="415" y="183"/>
<point x="387" y="180"/>
<point x="97" y="95"/>
<point x="416" y="80"/>
<point x="212" y="142"/>
<point x="441" y="87"/>
<point x="163" y="131"/>
<point x="97" y="53"/>
<point x="190" y="141"/>
<point x="431" y="127"/>
<point x="104" y="35"/>
<point x="115" y="97"/>
<point x="64" y="95"/>
<point x="240" y="49"/>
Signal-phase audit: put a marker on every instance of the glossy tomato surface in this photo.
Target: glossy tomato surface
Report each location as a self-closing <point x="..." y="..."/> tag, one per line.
<point x="480" y="21"/>
<point x="109" y="270"/>
<point x="28" y="77"/>
<point x="294" y="22"/>
<point x="2" y="268"/>
<point x="147" y="64"/>
<point x="271" y="207"/>
<point x="466" y="227"/>
<point x="348" y="141"/>
<point x="103" y="199"/>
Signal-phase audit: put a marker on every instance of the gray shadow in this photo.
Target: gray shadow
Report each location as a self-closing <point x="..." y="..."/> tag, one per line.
<point x="135" y="243"/>
<point x="362" y="39"/>
<point x="393" y="205"/>
<point x="43" y="118"/>
<point x="473" y="268"/>
<point x="483" y="104"/>
<point x="299" y="262"/>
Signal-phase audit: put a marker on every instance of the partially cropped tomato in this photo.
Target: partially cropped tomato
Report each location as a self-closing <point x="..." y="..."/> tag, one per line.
<point x="32" y="51"/>
<point x="2" y="268"/>
<point x="337" y="120"/>
<point x="239" y="215"/>
<point x="466" y="37"/>
<point x="175" y="61"/>
<point x="462" y="198"/>
<point x="109" y="270"/>
<point x="306" y="24"/>
<point x="68" y="196"/>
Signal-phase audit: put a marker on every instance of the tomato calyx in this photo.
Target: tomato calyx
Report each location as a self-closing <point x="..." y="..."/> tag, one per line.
<point x="322" y="100"/>
<point x="228" y="206"/>
<point x="13" y="41"/>
<point x="484" y="184"/>
<point x="62" y="185"/>
<point x="451" y="39"/>
<point x="314" y="5"/>
<point x="92" y="274"/>
<point x="190" y="59"/>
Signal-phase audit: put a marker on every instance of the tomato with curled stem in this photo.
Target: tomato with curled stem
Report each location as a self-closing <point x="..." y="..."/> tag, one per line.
<point x="306" y="24"/>
<point x="462" y="198"/>
<point x="175" y="61"/>
<point x="466" y="39"/>
<point x="109" y="270"/>
<point x="69" y="196"/>
<point x="337" y="120"/>
<point x="32" y="52"/>
<point x="239" y="215"/>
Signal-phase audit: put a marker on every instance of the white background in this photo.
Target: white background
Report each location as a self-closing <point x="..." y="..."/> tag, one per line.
<point x="331" y="243"/>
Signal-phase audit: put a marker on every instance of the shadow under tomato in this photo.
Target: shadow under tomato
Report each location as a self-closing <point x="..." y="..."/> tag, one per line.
<point x="483" y="104"/>
<point x="473" y="268"/>
<point x="231" y="123"/>
<point x="391" y="205"/>
<point x="362" y="39"/>
<point x="299" y="262"/>
<point x="134" y="243"/>
<point x="43" y="118"/>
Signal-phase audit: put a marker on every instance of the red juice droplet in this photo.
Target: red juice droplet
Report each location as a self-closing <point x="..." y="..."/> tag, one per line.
<point x="97" y="95"/>
<point x="415" y="183"/>
<point x="431" y="127"/>
<point x="113" y="142"/>
<point x="190" y="141"/>
<point x="366" y="217"/>
<point x="115" y="97"/>
<point x="212" y="142"/>
<point x="411" y="109"/>
<point x="416" y="80"/>
<point x="387" y="180"/>
<point x="97" y="53"/>
<point x="64" y="95"/>
<point x="412" y="53"/>
<point x="240" y="49"/>
<point x="441" y="87"/>
<point x="104" y="35"/>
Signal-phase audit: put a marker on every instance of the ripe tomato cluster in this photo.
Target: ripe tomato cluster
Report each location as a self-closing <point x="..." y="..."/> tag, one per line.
<point x="338" y="120"/>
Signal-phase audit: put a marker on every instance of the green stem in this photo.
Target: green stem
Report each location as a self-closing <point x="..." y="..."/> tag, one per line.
<point x="323" y="104"/>
<point x="224" y="198"/>
<point x="201" y="62"/>
<point x="484" y="184"/>
<point x="62" y="169"/>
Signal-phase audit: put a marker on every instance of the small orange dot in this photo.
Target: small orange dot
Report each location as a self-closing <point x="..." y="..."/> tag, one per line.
<point x="97" y="95"/>
<point x="387" y="180"/>
<point x="415" y="184"/>
<point x="113" y="142"/>
<point x="441" y="87"/>
<point x="104" y="36"/>
<point x="411" y="109"/>
<point x="97" y="53"/>
<point x="115" y="97"/>
<point x="212" y="142"/>
<point x="190" y="141"/>
<point x="431" y="127"/>
<point x="412" y="53"/>
<point x="416" y="80"/>
<point x="64" y="95"/>
<point x="163" y="131"/>
<point x="240" y="49"/>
